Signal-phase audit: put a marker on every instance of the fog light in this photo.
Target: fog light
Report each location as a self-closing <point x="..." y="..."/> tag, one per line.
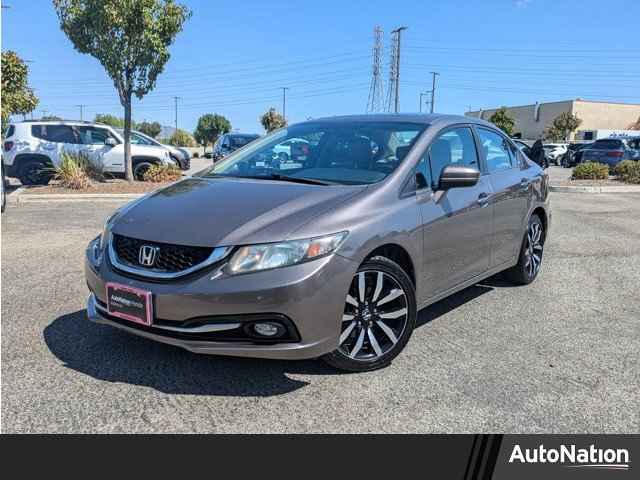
<point x="267" y="329"/>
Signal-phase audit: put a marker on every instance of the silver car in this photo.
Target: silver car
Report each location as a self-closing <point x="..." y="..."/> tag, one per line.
<point x="384" y="215"/>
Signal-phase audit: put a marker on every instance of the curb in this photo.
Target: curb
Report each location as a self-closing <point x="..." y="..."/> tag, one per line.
<point x="72" y="197"/>
<point x="595" y="189"/>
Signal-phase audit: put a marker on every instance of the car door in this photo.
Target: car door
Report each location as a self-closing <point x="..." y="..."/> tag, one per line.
<point x="55" y="139"/>
<point x="456" y="223"/>
<point x="106" y="157"/>
<point x="510" y="186"/>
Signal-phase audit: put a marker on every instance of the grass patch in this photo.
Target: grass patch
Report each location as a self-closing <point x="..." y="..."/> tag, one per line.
<point x="628" y="171"/>
<point x="591" y="171"/>
<point x="76" y="171"/>
<point x="162" y="174"/>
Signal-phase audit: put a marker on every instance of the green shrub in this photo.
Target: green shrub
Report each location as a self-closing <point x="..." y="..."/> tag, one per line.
<point x="628" y="171"/>
<point x="76" y="171"/>
<point x="591" y="171"/>
<point x="162" y="173"/>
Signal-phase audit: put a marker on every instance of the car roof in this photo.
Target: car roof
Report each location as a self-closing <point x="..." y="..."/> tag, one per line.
<point x="242" y="134"/>
<point x="426" y="119"/>
<point x="61" y="122"/>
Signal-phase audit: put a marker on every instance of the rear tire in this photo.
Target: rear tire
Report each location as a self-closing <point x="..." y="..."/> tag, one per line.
<point x="379" y="317"/>
<point x="35" y="172"/>
<point x="530" y="258"/>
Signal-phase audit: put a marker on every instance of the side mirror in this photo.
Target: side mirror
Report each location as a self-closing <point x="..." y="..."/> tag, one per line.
<point x="456" y="176"/>
<point x="110" y="142"/>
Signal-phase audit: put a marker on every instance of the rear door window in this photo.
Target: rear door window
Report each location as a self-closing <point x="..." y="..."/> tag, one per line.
<point x="55" y="133"/>
<point x="497" y="150"/>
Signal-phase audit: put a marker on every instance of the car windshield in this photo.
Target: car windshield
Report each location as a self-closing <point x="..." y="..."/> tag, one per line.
<point x="347" y="153"/>
<point x="238" y="141"/>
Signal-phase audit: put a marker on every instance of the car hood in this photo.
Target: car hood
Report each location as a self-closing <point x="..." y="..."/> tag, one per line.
<point x="228" y="211"/>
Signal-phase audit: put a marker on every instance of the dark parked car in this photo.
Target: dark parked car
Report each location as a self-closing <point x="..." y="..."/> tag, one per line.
<point x="574" y="154"/>
<point x="230" y="142"/>
<point x="332" y="258"/>
<point x="612" y="151"/>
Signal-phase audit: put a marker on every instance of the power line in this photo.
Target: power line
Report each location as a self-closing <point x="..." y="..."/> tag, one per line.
<point x="374" y="102"/>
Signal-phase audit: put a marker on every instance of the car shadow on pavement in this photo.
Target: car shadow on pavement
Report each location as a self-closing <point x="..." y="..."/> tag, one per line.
<point x="108" y="354"/>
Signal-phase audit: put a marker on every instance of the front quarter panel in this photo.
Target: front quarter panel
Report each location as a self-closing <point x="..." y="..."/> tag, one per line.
<point x="372" y="220"/>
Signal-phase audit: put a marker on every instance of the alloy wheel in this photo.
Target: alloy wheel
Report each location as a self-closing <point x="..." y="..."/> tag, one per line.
<point x="375" y="316"/>
<point x="533" y="249"/>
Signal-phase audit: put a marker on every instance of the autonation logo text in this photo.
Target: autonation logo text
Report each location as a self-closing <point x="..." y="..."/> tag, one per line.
<point x="572" y="456"/>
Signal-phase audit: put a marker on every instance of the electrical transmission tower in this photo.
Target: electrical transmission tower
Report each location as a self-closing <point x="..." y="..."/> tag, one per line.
<point x="375" y="103"/>
<point x="393" y="92"/>
<point x="393" y="85"/>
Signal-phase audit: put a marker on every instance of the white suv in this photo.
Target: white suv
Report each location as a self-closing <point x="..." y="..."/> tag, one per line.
<point x="30" y="149"/>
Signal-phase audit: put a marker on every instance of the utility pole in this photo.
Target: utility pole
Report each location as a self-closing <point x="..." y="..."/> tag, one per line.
<point x="398" y="32"/>
<point x="81" y="106"/>
<point x="422" y="94"/>
<point x="44" y="113"/>
<point x="284" y="102"/>
<point x="375" y="100"/>
<point x="175" y="106"/>
<point x="433" y="89"/>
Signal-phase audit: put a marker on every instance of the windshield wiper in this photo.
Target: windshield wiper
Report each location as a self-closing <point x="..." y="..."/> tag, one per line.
<point x="286" y="178"/>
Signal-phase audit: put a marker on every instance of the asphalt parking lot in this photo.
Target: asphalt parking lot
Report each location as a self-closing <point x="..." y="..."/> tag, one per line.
<point x="559" y="356"/>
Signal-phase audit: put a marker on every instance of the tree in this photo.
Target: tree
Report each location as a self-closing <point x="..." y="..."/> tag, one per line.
<point x="562" y="126"/>
<point x="17" y="96"/>
<point x="503" y="121"/>
<point x="181" y="138"/>
<point x="152" y="129"/>
<point x="129" y="38"/>
<point x="272" y="120"/>
<point x="210" y="127"/>
<point x="108" y="119"/>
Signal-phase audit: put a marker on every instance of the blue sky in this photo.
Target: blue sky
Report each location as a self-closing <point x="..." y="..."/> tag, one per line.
<point x="232" y="57"/>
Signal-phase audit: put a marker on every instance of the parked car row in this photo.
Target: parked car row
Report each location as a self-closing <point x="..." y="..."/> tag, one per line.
<point x="610" y="151"/>
<point x="31" y="149"/>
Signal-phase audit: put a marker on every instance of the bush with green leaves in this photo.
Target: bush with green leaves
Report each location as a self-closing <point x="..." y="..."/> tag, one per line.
<point x="628" y="171"/>
<point x="162" y="173"/>
<point x="591" y="171"/>
<point x="75" y="171"/>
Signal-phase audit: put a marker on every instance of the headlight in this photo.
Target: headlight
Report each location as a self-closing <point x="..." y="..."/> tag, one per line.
<point x="95" y="252"/>
<point x="273" y="255"/>
<point x="104" y="238"/>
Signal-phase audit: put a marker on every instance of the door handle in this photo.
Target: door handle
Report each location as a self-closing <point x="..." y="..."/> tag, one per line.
<point x="483" y="199"/>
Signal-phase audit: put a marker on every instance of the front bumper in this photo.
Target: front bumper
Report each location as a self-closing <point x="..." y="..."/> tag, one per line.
<point x="310" y="295"/>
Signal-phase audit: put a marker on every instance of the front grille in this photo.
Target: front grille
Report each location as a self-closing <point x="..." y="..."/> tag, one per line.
<point x="169" y="258"/>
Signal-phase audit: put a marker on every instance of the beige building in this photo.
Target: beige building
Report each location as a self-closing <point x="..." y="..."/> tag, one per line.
<point x="532" y="120"/>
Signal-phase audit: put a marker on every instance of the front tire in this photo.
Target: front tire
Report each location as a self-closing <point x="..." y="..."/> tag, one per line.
<point x="379" y="317"/>
<point x="139" y="169"/>
<point x="530" y="259"/>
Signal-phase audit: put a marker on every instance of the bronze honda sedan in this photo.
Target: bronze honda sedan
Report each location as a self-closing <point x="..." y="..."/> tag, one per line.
<point x="328" y="252"/>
